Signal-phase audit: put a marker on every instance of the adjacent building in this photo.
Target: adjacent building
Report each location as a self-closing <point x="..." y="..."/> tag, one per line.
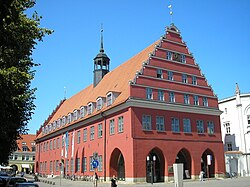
<point x="235" y="128"/>
<point x="23" y="159"/>
<point x="136" y="121"/>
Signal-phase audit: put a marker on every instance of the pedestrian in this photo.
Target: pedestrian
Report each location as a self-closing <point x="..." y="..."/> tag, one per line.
<point x="95" y="179"/>
<point x="113" y="181"/>
<point x="201" y="175"/>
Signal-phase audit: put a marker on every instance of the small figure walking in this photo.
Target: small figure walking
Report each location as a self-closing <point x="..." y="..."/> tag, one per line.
<point x="95" y="179"/>
<point x="201" y="176"/>
<point x="113" y="181"/>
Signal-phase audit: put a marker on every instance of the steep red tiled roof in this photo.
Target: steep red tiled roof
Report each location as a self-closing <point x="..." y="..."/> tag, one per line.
<point x="116" y="81"/>
<point x="28" y="139"/>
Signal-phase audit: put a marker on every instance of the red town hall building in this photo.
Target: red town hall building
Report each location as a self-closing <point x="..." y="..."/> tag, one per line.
<point x="152" y="111"/>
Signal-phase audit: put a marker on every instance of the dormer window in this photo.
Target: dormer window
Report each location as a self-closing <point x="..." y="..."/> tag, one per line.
<point x="82" y="112"/>
<point x="75" y="115"/>
<point x="46" y="129"/>
<point x="50" y="127"/>
<point x="109" y="99"/>
<point x="69" y="118"/>
<point x="43" y="130"/>
<point x="64" y="120"/>
<point x="59" y="121"/>
<point x="54" y="125"/>
<point x="90" y="108"/>
<point x="99" y="103"/>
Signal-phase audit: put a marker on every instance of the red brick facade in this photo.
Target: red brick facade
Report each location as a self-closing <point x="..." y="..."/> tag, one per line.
<point x="161" y="107"/>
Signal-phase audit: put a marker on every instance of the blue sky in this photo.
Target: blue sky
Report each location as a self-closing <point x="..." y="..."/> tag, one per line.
<point x="216" y="32"/>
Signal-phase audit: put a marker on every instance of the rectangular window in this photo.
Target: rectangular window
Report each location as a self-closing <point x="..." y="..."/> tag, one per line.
<point x="63" y="121"/>
<point x="100" y="162"/>
<point x="82" y="112"/>
<point x="186" y="99"/>
<point x="196" y="100"/>
<point x="54" y="144"/>
<point x="77" y="164"/>
<point x="160" y="95"/>
<point x="170" y="76"/>
<point x="248" y="119"/>
<point x="90" y="164"/>
<point x="58" y="143"/>
<point x="50" y="166"/>
<point x="175" y="125"/>
<point x="15" y="157"/>
<point x="159" y="73"/>
<point x="27" y="157"/>
<point x="75" y="115"/>
<point x="84" y="135"/>
<point x="229" y="147"/>
<point x="149" y="93"/>
<point x="183" y="59"/>
<point x="112" y="126"/>
<point x="146" y="122"/>
<point x="186" y="126"/>
<point x="210" y="127"/>
<point x="169" y="55"/>
<point x="109" y="99"/>
<point x="92" y="132"/>
<point x="194" y="80"/>
<point x="120" y="124"/>
<point x="69" y="119"/>
<point x="78" y="137"/>
<point x="99" y="130"/>
<point x="72" y="165"/>
<point x="205" y="101"/>
<point x="160" y="123"/>
<point x="184" y="78"/>
<point x="84" y="164"/>
<point x="50" y="144"/>
<point x="171" y="97"/>
<point x="200" y="126"/>
<point x="90" y="108"/>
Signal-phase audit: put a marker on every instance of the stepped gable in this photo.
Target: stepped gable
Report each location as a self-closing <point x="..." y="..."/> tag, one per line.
<point x="116" y="81"/>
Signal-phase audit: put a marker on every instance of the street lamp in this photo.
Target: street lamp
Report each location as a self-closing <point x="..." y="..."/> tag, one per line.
<point x="152" y="167"/>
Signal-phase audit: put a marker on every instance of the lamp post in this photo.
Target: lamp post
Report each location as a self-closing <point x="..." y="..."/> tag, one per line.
<point x="152" y="167"/>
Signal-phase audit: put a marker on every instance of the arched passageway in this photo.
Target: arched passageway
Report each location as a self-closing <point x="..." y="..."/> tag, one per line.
<point x="155" y="166"/>
<point x="117" y="165"/>
<point x="207" y="163"/>
<point x="184" y="157"/>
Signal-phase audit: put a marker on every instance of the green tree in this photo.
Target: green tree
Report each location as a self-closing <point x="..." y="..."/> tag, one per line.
<point x="19" y="34"/>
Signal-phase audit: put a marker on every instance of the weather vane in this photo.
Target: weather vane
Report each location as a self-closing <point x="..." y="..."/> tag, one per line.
<point x="170" y="11"/>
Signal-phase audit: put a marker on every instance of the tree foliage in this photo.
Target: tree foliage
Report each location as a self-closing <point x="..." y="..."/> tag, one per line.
<point x="18" y="36"/>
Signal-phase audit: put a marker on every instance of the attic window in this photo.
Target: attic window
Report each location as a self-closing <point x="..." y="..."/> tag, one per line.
<point x="54" y="125"/>
<point x="59" y="121"/>
<point x="63" y="120"/>
<point x="23" y="143"/>
<point x="109" y="99"/>
<point x="99" y="104"/>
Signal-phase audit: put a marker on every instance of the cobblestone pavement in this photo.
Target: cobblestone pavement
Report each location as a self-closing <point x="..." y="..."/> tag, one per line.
<point x="234" y="182"/>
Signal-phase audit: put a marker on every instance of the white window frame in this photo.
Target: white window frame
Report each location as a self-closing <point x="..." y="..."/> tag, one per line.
<point x="109" y="98"/>
<point x="159" y="73"/>
<point x="183" y="59"/>
<point x="92" y="133"/>
<point x="184" y="78"/>
<point x="205" y="101"/>
<point x="171" y="97"/>
<point x="120" y="124"/>
<point x="75" y="115"/>
<point x="149" y="93"/>
<point x="196" y="100"/>
<point x="210" y="127"/>
<point x="100" y="130"/>
<point x="161" y="95"/>
<point x="170" y="76"/>
<point x="186" y="99"/>
<point x="82" y="112"/>
<point x="90" y="108"/>
<point x="99" y="103"/>
<point x="169" y="55"/>
<point x="200" y="127"/>
<point x="112" y="127"/>
<point x="194" y="80"/>
<point x="69" y="118"/>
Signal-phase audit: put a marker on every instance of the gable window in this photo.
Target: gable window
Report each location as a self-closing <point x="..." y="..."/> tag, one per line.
<point x="171" y="97"/>
<point x="248" y="119"/>
<point x="159" y="73"/>
<point x="109" y="99"/>
<point x="149" y="93"/>
<point x="99" y="130"/>
<point x="146" y="122"/>
<point x="184" y="78"/>
<point x="186" y="125"/>
<point x="112" y="126"/>
<point x="196" y="100"/>
<point x="194" y="80"/>
<point x="205" y="101"/>
<point x="170" y="76"/>
<point x="228" y="128"/>
<point x="169" y="55"/>
<point x="210" y="127"/>
<point x="229" y="146"/>
<point x="200" y="126"/>
<point x="99" y="104"/>
<point x="175" y="125"/>
<point x="25" y="148"/>
<point x="92" y="132"/>
<point x="120" y="124"/>
<point x="160" y="95"/>
<point x="160" y="123"/>
<point x="183" y="59"/>
<point x="186" y="99"/>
